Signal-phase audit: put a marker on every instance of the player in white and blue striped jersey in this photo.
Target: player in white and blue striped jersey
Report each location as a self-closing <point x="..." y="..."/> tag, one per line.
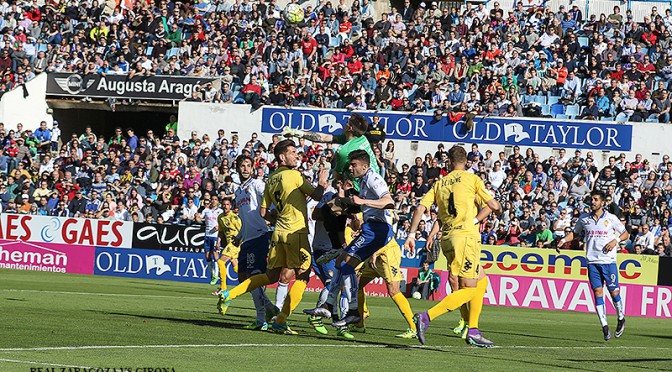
<point x="602" y="232"/>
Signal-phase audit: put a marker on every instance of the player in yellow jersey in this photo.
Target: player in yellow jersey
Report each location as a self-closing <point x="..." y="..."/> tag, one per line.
<point x="228" y="226"/>
<point x="457" y="196"/>
<point x="476" y="303"/>
<point x="385" y="264"/>
<point x="289" y="255"/>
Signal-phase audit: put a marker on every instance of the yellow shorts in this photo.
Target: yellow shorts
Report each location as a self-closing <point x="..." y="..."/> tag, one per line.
<point x="464" y="255"/>
<point x="231" y="251"/>
<point x="388" y="261"/>
<point x="290" y="250"/>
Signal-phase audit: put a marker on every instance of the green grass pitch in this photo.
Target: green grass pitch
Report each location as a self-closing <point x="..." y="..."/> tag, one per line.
<point x="61" y="321"/>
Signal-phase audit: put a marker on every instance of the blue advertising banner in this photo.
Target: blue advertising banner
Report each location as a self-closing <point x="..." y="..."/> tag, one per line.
<point x="151" y="264"/>
<point x="413" y="259"/>
<point x="487" y="130"/>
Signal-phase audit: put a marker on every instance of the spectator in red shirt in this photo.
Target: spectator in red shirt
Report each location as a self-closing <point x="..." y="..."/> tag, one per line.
<point x="345" y="28"/>
<point x="650" y="36"/>
<point x="308" y="47"/>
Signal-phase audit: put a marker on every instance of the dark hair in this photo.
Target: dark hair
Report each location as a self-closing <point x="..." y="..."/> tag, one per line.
<point x="457" y="155"/>
<point x="241" y="158"/>
<point x="360" y="155"/>
<point x="359" y="124"/>
<point x="282" y="146"/>
<point x="599" y="193"/>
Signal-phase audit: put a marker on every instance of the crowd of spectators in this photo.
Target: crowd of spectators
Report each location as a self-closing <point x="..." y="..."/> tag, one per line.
<point x="161" y="178"/>
<point x="419" y="57"/>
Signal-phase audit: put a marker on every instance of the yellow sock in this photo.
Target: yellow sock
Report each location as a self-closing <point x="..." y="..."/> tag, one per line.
<point x="404" y="308"/>
<point x="235" y="268"/>
<point x="251" y="283"/>
<point x="464" y="312"/>
<point x="222" y="274"/>
<point x="476" y="303"/>
<point x="294" y="296"/>
<point x="452" y="302"/>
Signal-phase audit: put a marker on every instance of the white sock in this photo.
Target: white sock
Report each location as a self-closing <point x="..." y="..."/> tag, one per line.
<point x="601" y="310"/>
<point x="350" y="286"/>
<point x="324" y="295"/>
<point x="344" y="304"/>
<point x="618" y="304"/>
<point x="258" y="299"/>
<point x="281" y="294"/>
<point x="215" y="269"/>
<point x="334" y="287"/>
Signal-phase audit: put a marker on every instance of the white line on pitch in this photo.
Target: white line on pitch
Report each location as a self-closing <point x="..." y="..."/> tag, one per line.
<point x="347" y="346"/>
<point x="42" y="363"/>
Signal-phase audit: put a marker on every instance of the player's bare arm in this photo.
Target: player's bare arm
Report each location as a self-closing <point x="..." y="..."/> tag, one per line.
<point x="310" y="136"/>
<point x="322" y="184"/>
<point x="386" y="202"/>
<point x="409" y="245"/>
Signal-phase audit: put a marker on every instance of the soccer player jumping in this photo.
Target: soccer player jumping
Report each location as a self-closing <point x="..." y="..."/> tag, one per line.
<point x="374" y="197"/>
<point x="289" y="255"/>
<point x="456" y="196"/>
<point x="602" y="233"/>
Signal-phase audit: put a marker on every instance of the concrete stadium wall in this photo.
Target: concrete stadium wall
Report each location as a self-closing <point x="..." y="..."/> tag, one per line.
<point x="650" y="140"/>
<point x="29" y="111"/>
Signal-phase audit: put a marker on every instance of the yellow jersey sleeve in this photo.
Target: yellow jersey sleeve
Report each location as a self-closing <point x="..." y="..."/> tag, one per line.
<point x="287" y="190"/>
<point x="482" y="194"/>
<point x="428" y="199"/>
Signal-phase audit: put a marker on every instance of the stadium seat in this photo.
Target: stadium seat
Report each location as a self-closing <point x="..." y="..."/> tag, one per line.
<point x="583" y="41"/>
<point x="553" y="100"/>
<point x="572" y="110"/>
<point x="545" y="109"/>
<point x="607" y="118"/>
<point x="563" y="117"/>
<point x="557" y="109"/>
<point x="540" y="100"/>
<point x="652" y="120"/>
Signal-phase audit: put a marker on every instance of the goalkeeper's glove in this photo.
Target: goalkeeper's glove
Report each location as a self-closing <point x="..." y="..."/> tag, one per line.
<point x="289" y="132"/>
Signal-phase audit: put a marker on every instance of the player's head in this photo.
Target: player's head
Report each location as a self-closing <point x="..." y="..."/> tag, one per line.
<point x="285" y="153"/>
<point x="357" y="125"/>
<point x="359" y="162"/>
<point x="597" y="199"/>
<point x="457" y="155"/>
<point x="226" y="205"/>
<point x="245" y="167"/>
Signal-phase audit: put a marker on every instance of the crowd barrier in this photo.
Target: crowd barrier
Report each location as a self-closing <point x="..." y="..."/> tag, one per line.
<point x="519" y="277"/>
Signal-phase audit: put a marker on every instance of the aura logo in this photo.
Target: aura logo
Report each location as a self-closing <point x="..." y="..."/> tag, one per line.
<point x="516" y="130"/>
<point x="329" y="121"/>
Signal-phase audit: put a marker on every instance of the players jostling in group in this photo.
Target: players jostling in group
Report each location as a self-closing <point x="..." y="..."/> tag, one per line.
<point x="457" y="196"/>
<point x="602" y="233"/>
<point x="289" y="253"/>
<point x="374" y="197"/>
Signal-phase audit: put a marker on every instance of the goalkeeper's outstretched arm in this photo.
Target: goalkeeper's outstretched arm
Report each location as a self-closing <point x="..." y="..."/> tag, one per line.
<point x="310" y="136"/>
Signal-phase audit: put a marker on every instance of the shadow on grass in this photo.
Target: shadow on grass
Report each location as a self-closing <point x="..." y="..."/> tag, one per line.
<point x="664" y="337"/>
<point x="15" y="299"/>
<point x="546" y="337"/>
<point x="621" y="360"/>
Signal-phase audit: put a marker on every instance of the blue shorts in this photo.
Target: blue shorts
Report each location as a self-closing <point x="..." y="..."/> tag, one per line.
<point x="253" y="255"/>
<point x="598" y="274"/>
<point x="209" y="243"/>
<point x="326" y="271"/>
<point x="374" y="235"/>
